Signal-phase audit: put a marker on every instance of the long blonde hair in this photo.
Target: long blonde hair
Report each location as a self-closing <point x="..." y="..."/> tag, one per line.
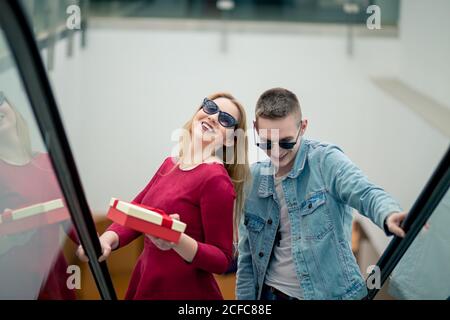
<point x="238" y="168"/>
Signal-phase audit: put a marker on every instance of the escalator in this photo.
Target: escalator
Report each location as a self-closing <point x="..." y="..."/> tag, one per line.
<point x="43" y="205"/>
<point x="417" y="267"/>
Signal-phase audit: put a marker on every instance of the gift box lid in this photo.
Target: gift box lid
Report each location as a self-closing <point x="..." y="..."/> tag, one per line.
<point x="146" y="213"/>
<point x="32" y="210"/>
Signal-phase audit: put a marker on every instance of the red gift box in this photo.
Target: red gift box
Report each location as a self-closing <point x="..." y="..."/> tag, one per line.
<point x="32" y="217"/>
<point x="146" y="219"/>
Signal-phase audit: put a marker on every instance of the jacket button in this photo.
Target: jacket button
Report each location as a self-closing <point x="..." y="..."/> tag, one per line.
<point x="245" y="222"/>
<point x="269" y="221"/>
<point x="261" y="254"/>
<point x="310" y="205"/>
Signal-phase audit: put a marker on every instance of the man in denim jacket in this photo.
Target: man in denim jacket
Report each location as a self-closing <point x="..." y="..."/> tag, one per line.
<point x="295" y="234"/>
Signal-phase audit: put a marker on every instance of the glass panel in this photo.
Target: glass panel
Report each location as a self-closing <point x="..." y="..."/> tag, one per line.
<point x="37" y="238"/>
<point x="47" y="16"/>
<point x="424" y="270"/>
<point x="328" y="11"/>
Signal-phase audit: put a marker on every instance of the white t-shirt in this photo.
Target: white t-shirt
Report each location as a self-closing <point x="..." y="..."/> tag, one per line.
<point x="281" y="271"/>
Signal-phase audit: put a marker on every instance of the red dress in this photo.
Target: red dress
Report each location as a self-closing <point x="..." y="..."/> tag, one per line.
<point x="204" y="199"/>
<point x="32" y="264"/>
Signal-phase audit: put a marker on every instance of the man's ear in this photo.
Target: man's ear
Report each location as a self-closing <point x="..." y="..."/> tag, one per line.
<point x="304" y="126"/>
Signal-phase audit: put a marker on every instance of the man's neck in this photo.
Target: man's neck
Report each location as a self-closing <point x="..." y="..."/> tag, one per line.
<point x="284" y="170"/>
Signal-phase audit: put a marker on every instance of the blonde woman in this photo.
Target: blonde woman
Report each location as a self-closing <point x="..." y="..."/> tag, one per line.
<point x="202" y="187"/>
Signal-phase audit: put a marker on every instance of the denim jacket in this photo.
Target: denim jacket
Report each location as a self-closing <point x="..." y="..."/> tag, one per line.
<point x="320" y="191"/>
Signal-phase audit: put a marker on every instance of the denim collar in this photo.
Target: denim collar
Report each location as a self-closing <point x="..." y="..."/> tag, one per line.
<point x="266" y="186"/>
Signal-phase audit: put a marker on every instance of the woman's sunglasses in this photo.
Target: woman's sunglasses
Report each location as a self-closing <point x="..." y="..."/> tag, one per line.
<point x="225" y="119"/>
<point x="283" y="144"/>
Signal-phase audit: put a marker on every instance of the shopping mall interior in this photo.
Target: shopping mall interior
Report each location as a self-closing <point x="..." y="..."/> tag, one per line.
<point x="371" y="76"/>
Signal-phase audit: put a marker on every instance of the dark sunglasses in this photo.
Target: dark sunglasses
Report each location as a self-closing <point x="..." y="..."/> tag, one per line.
<point x="283" y="144"/>
<point x="225" y="119"/>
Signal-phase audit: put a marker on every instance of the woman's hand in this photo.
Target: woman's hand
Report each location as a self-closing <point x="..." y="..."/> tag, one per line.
<point x="394" y="221"/>
<point x="186" y="247"/>
<point x="163" y="244"/>
<point x="108" y="241"/>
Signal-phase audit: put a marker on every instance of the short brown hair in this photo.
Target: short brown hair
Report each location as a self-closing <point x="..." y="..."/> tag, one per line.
<point x="277" y="103"/>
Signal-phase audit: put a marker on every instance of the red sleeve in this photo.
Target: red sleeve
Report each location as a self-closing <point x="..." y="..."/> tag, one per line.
<point x="126" y="235"/>
<point x="216" y="206"/>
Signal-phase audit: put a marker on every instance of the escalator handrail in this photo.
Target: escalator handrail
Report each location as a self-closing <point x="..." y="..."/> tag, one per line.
<point x="24" y="49"/>
<point x="419" y="214"/>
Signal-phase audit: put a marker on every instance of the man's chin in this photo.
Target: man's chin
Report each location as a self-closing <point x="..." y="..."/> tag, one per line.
<point x="279" y="164"/>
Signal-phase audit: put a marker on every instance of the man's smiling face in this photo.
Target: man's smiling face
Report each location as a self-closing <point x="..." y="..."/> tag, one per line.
<point x="287" y="129"/>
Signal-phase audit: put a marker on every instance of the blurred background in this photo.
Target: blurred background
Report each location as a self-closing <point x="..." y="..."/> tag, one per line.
<point x="136" y="71"/>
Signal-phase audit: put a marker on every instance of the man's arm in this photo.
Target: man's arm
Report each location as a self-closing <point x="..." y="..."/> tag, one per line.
<point x="347" y="182"/>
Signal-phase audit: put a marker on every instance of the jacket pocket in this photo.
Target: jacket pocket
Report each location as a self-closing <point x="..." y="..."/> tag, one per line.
<point x="314" y="215"/>
<point x="253" y="223"/>
<point x="255" y="226"/>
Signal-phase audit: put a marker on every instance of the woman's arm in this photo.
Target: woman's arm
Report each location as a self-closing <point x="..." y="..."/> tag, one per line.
<point x="108" y="241"/>
<point x="186" y="246"/>
<point x="216" y="205"/>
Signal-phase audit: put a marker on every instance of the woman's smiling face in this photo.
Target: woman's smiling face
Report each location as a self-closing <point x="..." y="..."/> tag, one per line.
<point x="206" y="127"/>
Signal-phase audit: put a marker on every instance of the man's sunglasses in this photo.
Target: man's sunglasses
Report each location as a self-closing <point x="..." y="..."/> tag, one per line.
<point x="225" y="119"/>
<point x="283" y="144"/>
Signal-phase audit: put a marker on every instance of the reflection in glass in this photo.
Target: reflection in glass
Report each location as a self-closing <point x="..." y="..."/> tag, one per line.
<point x="32" y="211"/>
<point x="424" y="270"/>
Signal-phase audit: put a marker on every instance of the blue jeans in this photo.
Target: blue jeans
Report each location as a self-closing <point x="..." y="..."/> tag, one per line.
<point x="268" y="295"/>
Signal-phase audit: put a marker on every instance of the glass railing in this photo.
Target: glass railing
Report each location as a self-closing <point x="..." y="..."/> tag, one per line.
<point x="417" y="267"/>
<point x="44" y="215"/>
<point x="423" y="273"/>
<point x="47" y="16"/>
<point x="320" y="11"/>
<point x="52" y="21"/>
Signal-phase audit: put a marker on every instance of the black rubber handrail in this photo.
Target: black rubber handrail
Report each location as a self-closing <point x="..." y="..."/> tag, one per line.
<point x="423" y="208"/>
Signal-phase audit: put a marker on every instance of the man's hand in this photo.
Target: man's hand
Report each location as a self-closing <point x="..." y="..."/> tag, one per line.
<point x="393" y="222"/>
